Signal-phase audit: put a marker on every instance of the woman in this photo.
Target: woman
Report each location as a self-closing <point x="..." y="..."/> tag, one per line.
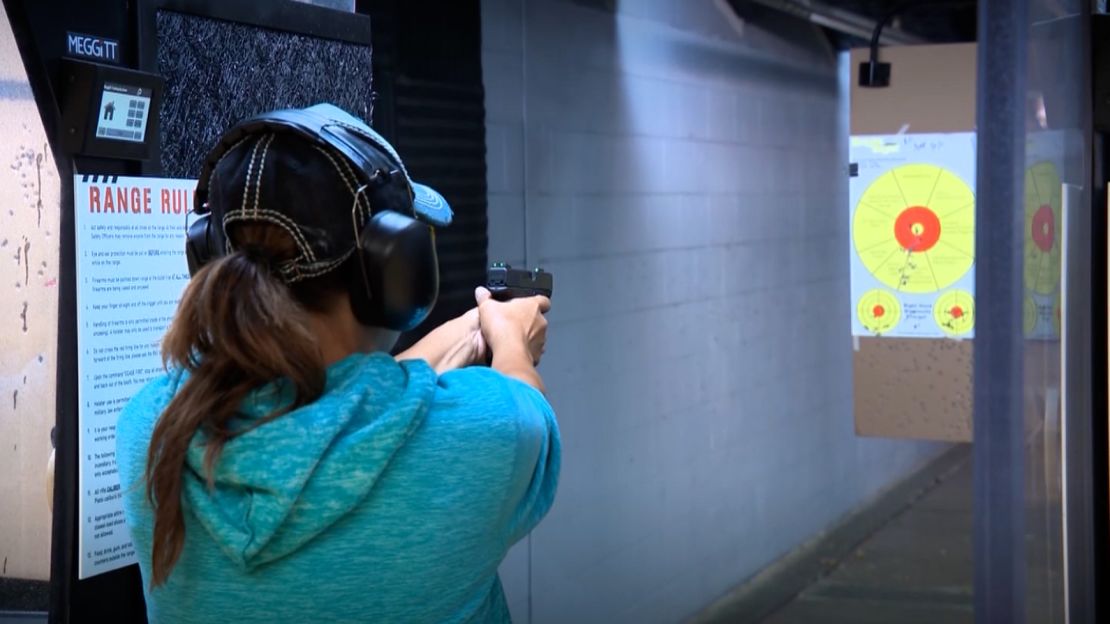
<point x="286" y="468"/>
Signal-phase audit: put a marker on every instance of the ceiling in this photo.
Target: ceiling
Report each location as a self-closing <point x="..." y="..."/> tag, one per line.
<point x="940" y="21"/>
<point x="948" y="22"/>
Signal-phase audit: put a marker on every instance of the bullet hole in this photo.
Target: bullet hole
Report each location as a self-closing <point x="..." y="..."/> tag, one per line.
<point x="41" y="359"/>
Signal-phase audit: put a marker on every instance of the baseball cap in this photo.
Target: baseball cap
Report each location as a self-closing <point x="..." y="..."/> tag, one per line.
<point x="428" y="204"/>
<point x="318" y="173"/>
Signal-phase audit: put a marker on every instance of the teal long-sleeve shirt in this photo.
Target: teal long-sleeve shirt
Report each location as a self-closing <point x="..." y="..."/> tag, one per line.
<point x="392" y="498"/>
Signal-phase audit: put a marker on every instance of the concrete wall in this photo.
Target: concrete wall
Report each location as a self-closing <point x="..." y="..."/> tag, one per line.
<point x="684" y="177"/>
<point x="29" y="210"/>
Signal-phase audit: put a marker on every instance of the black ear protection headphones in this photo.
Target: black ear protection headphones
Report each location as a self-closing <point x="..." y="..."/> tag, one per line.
<point x="396" y="283"/>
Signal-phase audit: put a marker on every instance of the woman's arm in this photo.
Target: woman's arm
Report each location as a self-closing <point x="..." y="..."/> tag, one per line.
<point x="455" y="344"/>
<point x="517" y="362"/>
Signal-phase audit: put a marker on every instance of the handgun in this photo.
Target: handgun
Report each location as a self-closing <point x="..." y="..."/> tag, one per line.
<point x="504" y="282"/>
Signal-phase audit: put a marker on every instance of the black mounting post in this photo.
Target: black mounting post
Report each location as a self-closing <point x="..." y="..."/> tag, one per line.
<point x="874" y="73"/>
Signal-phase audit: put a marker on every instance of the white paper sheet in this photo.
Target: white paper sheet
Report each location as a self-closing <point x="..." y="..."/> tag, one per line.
<point x="912" y="224"/>
<point x="131" y="271"/>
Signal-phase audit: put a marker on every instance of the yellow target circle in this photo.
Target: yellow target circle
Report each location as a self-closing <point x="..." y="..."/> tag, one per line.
<point x="954" y="312"/>
<point x="879" y="311"/>
<point x="1042" y="228"/>
<point x="914" y="228"/>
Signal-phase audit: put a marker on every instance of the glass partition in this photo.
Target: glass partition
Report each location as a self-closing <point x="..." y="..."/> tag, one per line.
<point x="1034" y="548"/>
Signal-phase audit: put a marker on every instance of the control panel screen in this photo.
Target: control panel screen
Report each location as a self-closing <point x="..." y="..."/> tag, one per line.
<point x="123" y="113"/>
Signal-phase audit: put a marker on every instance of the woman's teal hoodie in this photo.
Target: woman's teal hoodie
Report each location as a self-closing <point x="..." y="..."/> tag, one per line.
<point x="392" y="498"/>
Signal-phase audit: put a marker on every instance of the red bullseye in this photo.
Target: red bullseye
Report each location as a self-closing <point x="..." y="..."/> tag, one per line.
<point x="878" y="311"/>
<point x="917" y="229"/>
<point x="957" y="312"/>
<point x="1044" y="228"/>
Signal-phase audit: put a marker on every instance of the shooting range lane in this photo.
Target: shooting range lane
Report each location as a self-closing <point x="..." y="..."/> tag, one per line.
<point x="915" y="384"/>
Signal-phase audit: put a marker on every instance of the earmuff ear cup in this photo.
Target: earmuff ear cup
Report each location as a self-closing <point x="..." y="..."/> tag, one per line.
<point x="399" y="267"/>
<point x="202" y="243"/>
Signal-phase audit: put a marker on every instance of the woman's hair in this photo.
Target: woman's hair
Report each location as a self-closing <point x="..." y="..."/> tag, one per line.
<point x="238" y="327"/>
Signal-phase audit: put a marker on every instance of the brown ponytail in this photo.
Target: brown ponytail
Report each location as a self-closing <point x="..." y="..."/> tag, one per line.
<point x="237" y="327"/>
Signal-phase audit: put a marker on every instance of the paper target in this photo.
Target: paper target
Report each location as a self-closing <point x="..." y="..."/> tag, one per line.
<point x="1029" y="316"/>
<point x="1057" y="315"/>
<point x="914" y="228"/>
<point x="954" y="312"/>
<point x="879" y="311"/>
<point x="911" y="217"/>
<point x="1042" y="228"/>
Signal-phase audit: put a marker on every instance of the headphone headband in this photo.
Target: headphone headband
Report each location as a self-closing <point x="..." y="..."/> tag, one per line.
<point x="317" y="129"/>
<point x="396" y="281"/>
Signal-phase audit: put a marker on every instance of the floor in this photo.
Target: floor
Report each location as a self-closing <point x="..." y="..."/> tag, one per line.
<point x="908" y="558"/>
<point x="916" y="569"/>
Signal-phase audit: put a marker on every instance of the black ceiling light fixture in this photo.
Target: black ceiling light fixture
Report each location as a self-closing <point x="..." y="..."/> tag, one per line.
<point x="874" y="73"/>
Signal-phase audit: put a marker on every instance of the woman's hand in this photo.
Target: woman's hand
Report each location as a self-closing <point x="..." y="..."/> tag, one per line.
<point x="514" y="323"/>
<point x="515" y="332"/>
<point x="455" y="344"/>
